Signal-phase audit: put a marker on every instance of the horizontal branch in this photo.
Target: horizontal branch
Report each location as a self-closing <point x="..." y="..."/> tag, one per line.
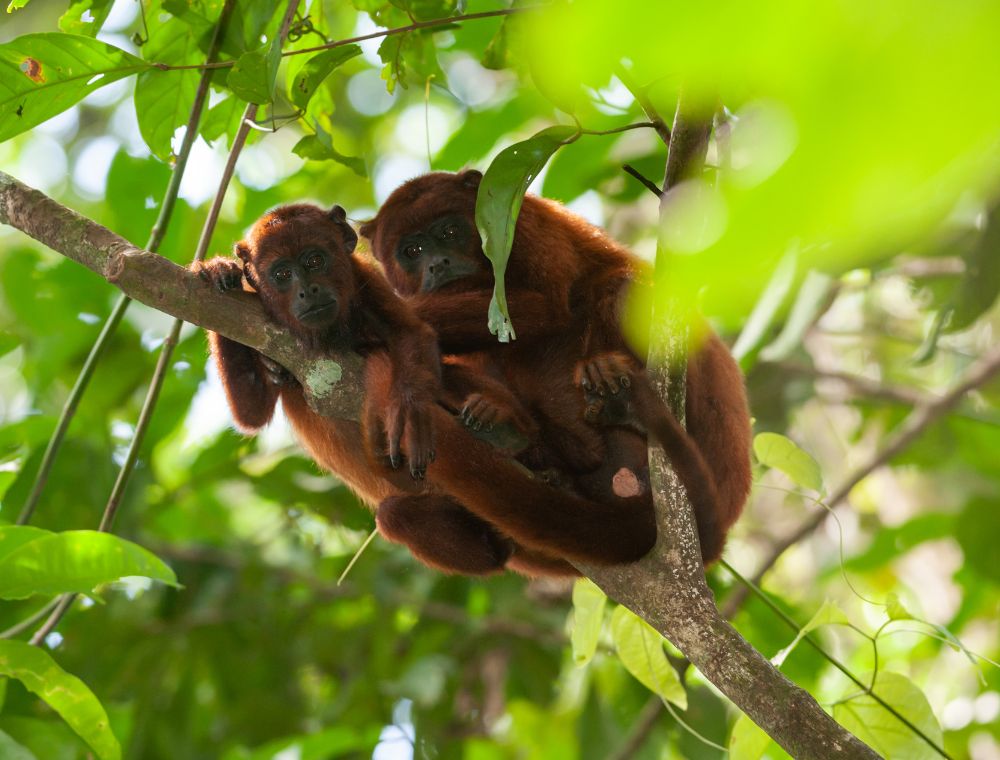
<point x="330" y="382"/>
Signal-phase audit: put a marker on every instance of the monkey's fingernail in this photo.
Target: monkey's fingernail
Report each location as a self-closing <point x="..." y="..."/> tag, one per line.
<point x="626" y="381"/>
<point x="432" y="456"/>
<point x="586" y="385"/>
<point x="489" y="428"/>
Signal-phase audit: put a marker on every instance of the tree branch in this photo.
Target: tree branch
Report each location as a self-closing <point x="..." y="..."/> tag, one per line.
<point x="667" y="587"/>
<point x="330" y="384"/>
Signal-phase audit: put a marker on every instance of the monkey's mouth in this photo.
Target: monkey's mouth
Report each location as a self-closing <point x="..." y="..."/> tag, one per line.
<point x="320" y="312"/>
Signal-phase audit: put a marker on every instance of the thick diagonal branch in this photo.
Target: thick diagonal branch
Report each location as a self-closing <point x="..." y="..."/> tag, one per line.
<point x="331" y="385"/>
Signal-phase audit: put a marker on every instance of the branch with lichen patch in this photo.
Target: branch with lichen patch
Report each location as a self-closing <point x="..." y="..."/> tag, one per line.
<point x="330" y="382"/>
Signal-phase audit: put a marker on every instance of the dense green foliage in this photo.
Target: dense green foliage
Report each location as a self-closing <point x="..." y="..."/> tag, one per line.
<point x="843" y="236"/>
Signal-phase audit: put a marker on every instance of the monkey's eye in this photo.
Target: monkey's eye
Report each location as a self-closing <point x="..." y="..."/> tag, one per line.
<point x="450" y="232"/>
<point x="314" y="260"/>
<point x="283" y="274"/>
<point x="413" y="250"/>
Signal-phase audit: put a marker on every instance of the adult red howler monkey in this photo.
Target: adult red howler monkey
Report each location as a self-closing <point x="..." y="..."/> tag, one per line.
<point x="565" y="282"/>
<point x="299" y="260"/>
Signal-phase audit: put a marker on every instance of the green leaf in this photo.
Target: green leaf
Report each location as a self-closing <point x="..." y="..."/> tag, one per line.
<point x="64" y="693"/>
<point x="640" y="649"/>
<point x="16" y="5"/>
<point x="766" y="310"/>
<point x="11" y="750"/>
<point x="42" y="75"/>
<point x="883" y="731"/>
<point x="223" y="118"/>
<point x="318" y="68"/>
<point x="319" y="147"/>
<point x="813" y="299"/>
<point x="588" y="614"/>
<point x="749" y="742"/>
<point x="410" y="57"/>
<point x="784" y="454"/>
<point x="73" y="561"/>
<point x="828" y="614"/>
<point x="498" y="204"/>
<point x="13" y="536"/>
<point x="252" y="78"/>
<point x="72" y="21"/>
<point x="163" y="99"/>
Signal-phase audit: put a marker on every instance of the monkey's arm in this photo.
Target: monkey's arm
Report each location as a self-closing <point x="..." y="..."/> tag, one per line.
<point x="415" y="370"/>
<point x="461" y="318"/>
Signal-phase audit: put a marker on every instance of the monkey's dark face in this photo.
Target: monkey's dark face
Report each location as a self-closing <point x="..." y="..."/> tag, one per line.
<point x="445" y="251"/>
<point x="298" y="260"/>
<point x="302" y="281"/>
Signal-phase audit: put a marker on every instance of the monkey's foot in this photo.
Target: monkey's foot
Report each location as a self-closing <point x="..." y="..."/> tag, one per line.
<point x="606" y="373"/>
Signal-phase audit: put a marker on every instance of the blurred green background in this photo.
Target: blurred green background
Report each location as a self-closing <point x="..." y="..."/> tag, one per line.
<point x="848" y="204"/>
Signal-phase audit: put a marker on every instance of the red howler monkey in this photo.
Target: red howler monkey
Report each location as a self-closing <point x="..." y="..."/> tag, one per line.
<point x="565" y="282"/>
<point x="299" y="260"/>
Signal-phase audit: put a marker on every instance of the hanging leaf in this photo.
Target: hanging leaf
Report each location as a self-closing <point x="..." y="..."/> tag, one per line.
<point x="784" y="454"/>
<point x="64" y="693"/>
<point x="319" y="147"/>
<point x="163" y="99"/>
<point x="253" y="76"/>
<point x="640" y="649"/>
<point x="317" y="69"/>
<point x="883" y="731"/>
<point x="498" y="204"/>
<point x="588" y="615"/>
<point x="42" y="75"/>
<point x="828" y="614"/>
<point x="72" y="561"/>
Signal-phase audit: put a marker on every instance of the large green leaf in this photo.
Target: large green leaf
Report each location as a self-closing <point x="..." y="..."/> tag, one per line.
<point x="784" y="454"/>
<point x="252" y="78"/>
<point x="163" y="99"/>
<point x="319" y="147"/>
<point x="498" y="205"/>
<point x="316" y="69"/>
<point x="588" y="615"/>
<point x="640" y="649"/>
<point x="883" y="731"/>
<point x="72" y="561"/>
<point x="749" y="742"/>
<point x="42" y="75"/>
<point x="64" y="693"/>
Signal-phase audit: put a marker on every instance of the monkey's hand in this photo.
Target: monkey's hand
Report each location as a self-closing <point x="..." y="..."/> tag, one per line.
<point x="408" y="425"/>
<point x="275" y="373"/>
<point x="606" y="373"/>
<point x="223" y="272"/>
<point x="483" y="411"/>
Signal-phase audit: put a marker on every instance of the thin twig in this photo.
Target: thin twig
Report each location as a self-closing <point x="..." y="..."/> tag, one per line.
<point x="156" y="235"/>
<point x="907" y="433"/>
<point x="433" y="23"/>
<point x="25" y="624"/>
<point x="616" y="130"/>
<point x="643" y="179"/>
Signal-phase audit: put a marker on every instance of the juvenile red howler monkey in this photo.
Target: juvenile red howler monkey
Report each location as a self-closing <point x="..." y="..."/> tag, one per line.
<point x="565" y="282"/>
<point x="299" y="260"/>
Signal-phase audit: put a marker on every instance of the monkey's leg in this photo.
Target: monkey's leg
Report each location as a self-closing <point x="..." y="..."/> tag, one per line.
<point x="443" y="534"/>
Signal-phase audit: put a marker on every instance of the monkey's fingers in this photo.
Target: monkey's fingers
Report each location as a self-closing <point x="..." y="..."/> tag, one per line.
<point x="419" y="442"/>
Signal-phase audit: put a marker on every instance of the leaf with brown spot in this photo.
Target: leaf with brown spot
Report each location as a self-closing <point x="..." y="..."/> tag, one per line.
<point x="42" y="75"/>
<point x="32" y="69"/>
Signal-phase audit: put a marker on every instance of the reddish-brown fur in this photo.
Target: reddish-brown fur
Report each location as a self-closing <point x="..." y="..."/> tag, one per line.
<point x="518" y="521"/>
<point x="565" y="281"/>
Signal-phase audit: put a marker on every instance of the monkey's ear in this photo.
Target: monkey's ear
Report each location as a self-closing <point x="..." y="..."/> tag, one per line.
<point x="242" y="250"/>
<point x="471" y="178"/>
<point x="339" y="217"/>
